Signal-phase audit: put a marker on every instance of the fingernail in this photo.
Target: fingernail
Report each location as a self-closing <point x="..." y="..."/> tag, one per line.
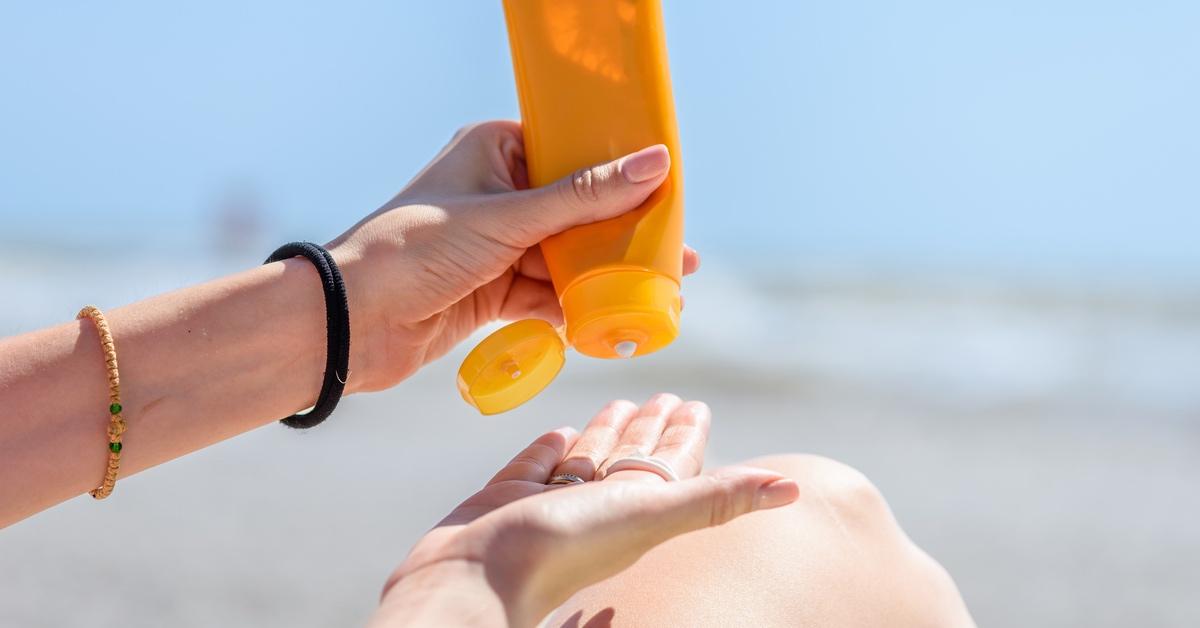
<point x="777" y="493"/>
<point x="646" y="164"/>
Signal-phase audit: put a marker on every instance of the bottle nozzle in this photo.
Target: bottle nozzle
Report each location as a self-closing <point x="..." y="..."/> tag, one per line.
<point x="512" y="368"/>
<point x="626" y="348"/>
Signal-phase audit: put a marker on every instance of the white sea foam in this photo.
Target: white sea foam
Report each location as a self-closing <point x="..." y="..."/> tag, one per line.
<point x="953" y="339"/>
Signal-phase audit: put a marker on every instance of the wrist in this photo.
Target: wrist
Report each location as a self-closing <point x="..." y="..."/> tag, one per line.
<point x="448" y="592"/>
<point x="364" y="318"/>
<point x="383" y="348"/>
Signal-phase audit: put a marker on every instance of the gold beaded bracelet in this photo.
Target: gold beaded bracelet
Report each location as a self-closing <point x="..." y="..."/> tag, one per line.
<point x="116" y="424"/>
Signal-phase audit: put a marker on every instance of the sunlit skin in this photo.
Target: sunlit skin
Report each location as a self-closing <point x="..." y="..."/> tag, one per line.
<point x="454" y="250"/>
<point x="457" y="248"/>
<point x="518" y="548"/>
<point x="629" y="549"/>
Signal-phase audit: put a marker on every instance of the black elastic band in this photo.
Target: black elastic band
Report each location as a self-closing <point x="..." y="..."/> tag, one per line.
<point x="337" y="328"/>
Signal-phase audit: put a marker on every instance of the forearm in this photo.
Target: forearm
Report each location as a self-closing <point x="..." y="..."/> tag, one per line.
<point x="197" y="366"/>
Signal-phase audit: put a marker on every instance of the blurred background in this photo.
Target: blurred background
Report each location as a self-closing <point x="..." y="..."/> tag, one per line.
<point x="956" y="245"/>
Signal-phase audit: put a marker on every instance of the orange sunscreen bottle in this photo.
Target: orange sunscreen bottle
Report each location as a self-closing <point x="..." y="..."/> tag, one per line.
<point x="593" y="85"/>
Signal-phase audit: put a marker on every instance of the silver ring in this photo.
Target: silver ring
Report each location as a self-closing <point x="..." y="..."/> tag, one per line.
<point x="638" y="462"/>
<point x="565" y="478"/>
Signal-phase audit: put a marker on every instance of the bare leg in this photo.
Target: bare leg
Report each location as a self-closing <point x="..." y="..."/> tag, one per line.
<point x="836" y="557"/>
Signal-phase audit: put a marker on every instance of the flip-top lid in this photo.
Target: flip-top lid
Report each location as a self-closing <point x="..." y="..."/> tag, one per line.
<point x="511" y="366"/>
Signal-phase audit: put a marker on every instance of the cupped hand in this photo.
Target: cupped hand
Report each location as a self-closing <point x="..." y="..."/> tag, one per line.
<point x="457" y="248"/>
<point x="518" y="548"/>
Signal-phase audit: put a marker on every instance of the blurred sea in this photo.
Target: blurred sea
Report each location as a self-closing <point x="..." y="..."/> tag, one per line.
<point x="954" y="340"/>
<point x="1040" y="437"/>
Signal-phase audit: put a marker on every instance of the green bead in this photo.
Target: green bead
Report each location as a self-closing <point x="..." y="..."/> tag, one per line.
<point x="114" y="408"/>
<point x="114" y="447"/>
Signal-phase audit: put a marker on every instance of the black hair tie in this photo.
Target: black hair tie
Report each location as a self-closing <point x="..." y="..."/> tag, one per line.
<point x="337" y="328"/>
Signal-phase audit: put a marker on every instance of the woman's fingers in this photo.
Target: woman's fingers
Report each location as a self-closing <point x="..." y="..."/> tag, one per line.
<point x="533" y="264"/>
<point x="684" y="438"/>
<point x="607" y="526"/>
<point x="665" y="427"/>
<point x="691" y="260"/>
<point x="530" y="298"/>
<point x="481" y="158"/>
<point x="524" y="218"/>
<point x="536" y="461"/>
<point x="643" y="432"/>
<point x="598" y="440"/>
<point x="709" y="500"/>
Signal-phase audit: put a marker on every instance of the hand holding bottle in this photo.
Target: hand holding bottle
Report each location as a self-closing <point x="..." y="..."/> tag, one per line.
<point x="457" y="248"/>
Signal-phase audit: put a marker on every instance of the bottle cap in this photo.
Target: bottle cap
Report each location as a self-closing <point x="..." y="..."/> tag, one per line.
<point x="511" y="366"/>
<point x="621" y="313"/>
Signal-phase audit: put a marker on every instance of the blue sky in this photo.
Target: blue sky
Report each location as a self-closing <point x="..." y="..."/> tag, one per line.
<point x="1016" y="136"/>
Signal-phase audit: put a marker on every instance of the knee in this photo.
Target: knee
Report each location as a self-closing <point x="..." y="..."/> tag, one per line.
<point x="832" y="486"/>
<point x="839" y="505"/>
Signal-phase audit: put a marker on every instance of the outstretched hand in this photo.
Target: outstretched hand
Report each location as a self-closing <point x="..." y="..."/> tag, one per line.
<point x="518" y="548"/>
<point x="457" y="248"/>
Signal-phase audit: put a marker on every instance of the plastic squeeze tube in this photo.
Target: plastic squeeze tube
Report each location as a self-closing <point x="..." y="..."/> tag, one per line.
<point x="593" y="85"/>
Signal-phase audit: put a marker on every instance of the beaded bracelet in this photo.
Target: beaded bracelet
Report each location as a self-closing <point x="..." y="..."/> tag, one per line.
<point x="116" y="424"/>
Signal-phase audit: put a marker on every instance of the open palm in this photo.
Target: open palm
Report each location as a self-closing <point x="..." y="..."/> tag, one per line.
<point x="539" y="544"/>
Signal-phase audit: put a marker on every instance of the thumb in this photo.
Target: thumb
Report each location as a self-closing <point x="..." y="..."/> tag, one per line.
<point x="609" y="525"/>
<point x="713" y="499"/>
<point x="633" y="517"/>
<point x="640" y="515"/>
<point x="588" y="195"/>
